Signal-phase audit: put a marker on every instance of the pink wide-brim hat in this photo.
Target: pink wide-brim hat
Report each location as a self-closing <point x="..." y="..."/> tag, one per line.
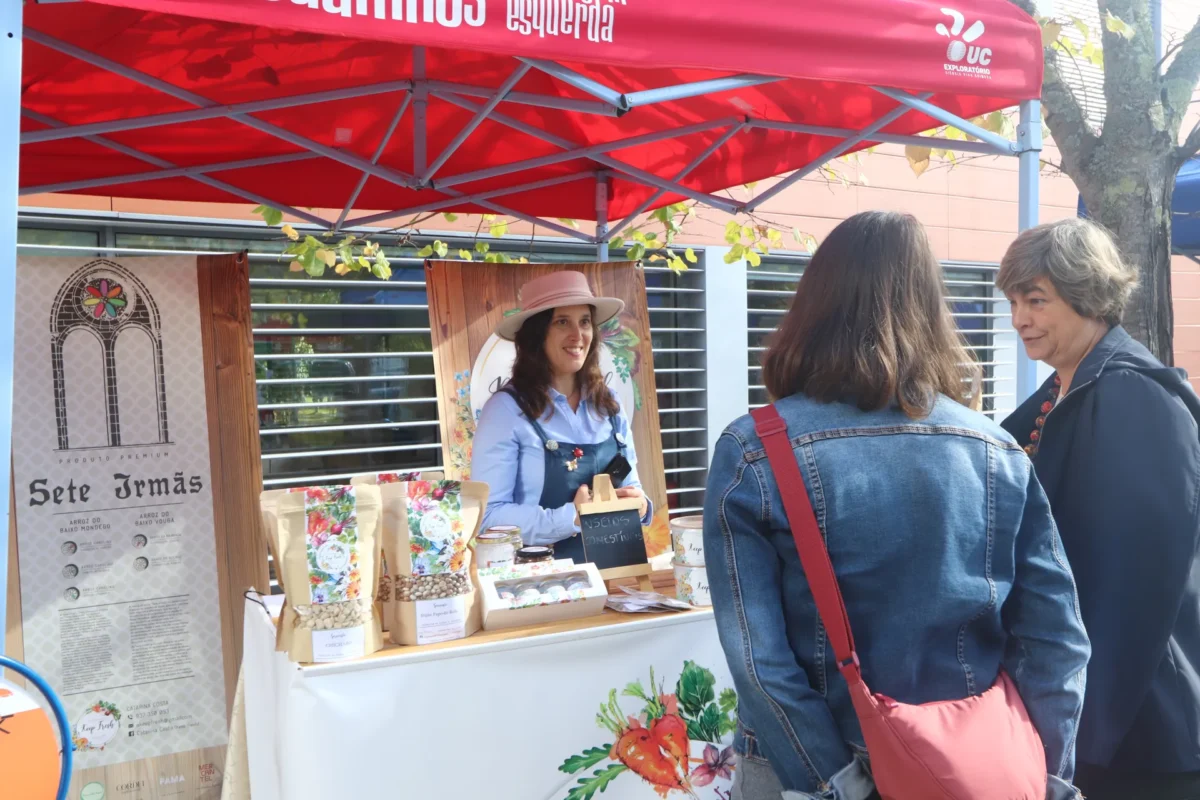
<point x="556" y="290"/>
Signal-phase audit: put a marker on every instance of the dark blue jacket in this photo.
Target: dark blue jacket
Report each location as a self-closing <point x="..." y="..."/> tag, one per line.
<point x="1119" y="458"/>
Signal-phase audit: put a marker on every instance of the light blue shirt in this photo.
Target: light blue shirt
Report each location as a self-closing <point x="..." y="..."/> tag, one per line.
<point x="510" y="458"/>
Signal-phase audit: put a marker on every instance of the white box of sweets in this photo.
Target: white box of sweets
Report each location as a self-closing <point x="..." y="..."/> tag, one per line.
<point x="533" y="594"/>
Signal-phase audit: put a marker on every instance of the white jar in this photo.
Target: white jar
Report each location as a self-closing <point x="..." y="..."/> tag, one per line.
<point x="493" y="549"/>
<point x="687" y="539"/>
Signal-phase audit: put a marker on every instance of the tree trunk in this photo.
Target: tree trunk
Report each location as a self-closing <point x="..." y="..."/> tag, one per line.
<point x="1134" y="203"/>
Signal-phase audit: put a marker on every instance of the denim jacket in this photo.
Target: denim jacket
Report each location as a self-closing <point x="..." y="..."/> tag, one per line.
<point x="949" y="564"/>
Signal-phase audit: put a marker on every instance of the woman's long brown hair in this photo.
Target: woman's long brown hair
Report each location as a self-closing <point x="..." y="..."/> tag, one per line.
<point x="869" y="323"/>
<point x="531" y="375"/>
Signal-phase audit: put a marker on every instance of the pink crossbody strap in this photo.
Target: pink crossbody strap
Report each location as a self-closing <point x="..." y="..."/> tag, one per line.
<point x="809" y="543"/>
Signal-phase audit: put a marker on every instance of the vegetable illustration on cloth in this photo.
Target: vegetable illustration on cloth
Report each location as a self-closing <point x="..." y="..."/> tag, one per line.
<point x="657" y="744"/>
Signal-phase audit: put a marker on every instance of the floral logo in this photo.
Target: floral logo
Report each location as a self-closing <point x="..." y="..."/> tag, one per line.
<point x="658" y="744"/>
<point x="97" y="726"/>
<point x="104" y="299"/>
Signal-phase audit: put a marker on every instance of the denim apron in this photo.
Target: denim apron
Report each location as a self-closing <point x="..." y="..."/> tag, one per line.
<point x="561" y="484"/>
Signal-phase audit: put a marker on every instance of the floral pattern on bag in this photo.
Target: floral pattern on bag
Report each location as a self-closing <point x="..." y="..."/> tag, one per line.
<point x="332" y="541"/>
<point x="396" y="477"/>
<point x="437" y="543"/>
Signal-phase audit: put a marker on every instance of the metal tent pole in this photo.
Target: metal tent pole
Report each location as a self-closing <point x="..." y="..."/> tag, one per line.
<point x="601" y="216"/>
<point x="10" y="156"/>
<point x="1029" y="152"/>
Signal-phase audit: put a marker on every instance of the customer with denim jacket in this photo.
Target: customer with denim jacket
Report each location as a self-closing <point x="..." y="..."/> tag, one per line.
<point x="1114" y="439"/>
<point x="940" y="536"/>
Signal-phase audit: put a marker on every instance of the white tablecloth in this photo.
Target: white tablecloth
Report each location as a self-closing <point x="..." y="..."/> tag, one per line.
<point x="492" y="719"/>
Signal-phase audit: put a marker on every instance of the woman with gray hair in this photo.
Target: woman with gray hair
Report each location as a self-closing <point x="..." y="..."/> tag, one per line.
<point x="1113" y="438"/>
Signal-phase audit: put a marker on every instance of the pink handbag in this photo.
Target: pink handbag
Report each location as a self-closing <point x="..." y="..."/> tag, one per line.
<point x="979" y="748"/>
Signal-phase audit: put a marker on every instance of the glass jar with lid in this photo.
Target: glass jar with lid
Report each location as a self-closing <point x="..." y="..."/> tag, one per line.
<point x="494" y="548"/>
<point x="534" y="554"/>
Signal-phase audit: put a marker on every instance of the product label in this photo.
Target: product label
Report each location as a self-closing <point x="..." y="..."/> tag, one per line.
<point x="339" y="645"/>
<point x="441" y="620"/>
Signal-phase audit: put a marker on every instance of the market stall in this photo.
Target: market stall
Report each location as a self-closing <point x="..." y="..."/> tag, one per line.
<point x="595" y="111"/>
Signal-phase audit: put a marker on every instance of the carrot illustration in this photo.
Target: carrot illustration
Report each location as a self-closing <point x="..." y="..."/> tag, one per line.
<point x="642" y="751"/>
<point x="671" y="734"/>
<point x="637" y="750"/>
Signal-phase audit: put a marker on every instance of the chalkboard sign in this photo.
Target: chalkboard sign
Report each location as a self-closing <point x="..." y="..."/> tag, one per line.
<point x="613" y="539"/>
<point x="612" y="532"/>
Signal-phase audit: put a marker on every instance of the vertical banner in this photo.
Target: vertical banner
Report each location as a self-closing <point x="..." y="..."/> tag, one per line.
<point x="114" y="509"/>
<point x="467" y="301"/>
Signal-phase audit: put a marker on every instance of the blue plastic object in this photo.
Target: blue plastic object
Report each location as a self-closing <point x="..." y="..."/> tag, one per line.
<point x="60" y="715"/>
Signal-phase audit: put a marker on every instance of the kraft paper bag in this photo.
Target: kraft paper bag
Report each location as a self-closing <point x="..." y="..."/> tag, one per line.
<point x="428" y="527"/>
<point x="329" y="560"/>
<point x="383" y="595"/>
<point x="268" y="504"/>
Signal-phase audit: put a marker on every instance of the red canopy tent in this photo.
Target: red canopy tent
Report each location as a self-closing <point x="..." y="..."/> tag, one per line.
<point x="585" y="109"/>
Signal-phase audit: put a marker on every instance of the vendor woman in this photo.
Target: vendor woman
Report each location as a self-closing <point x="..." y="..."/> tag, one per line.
<point x="555" y="425"/>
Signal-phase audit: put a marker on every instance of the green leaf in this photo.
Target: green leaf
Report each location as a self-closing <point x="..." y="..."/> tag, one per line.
<point x="616" y="243"/>
<point x="753" y="258"/>
<point x="651" y="237"/>
<point x="588" y="758"/>
<point x="728" y="701"/>
<point x="466" y="255"/>
<point x="706" y="727"/>
<point x="272" y="216"/>
<point x="498" y="229"/>
<point x="690" y="255"/>
<point x="382" y="267"/>
<point x="570" y="223"/>
<point x="634" y="689"/>
<point x="1083" y="28"/>
<point x="636" y="252"/>
<point x="441" y="248"/>
<point x="482" y="247"/>
<point x="1118" y="26"/>
<point x="694" y="688"/>
<point x="450" y="217"/>
<point x="425" y="252"/>
<point x="598" y="782"/>
<point x="736" y="252"/>
<point x="677" y="264"/>
<point x="638" y="236"/>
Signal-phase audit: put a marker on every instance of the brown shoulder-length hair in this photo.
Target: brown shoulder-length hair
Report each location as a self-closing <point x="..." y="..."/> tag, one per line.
<point x="531" y="375"/>
<point x="869" y="324"/>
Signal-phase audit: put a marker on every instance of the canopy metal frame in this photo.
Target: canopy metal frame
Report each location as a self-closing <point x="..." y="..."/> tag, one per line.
<point x="486" y="103"/>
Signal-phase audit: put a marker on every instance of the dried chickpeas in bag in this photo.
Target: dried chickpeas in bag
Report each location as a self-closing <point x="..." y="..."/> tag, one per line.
<point x="329" y="566"/>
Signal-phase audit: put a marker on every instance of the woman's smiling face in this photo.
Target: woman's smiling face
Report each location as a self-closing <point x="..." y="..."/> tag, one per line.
<point x="569" y="339"/>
